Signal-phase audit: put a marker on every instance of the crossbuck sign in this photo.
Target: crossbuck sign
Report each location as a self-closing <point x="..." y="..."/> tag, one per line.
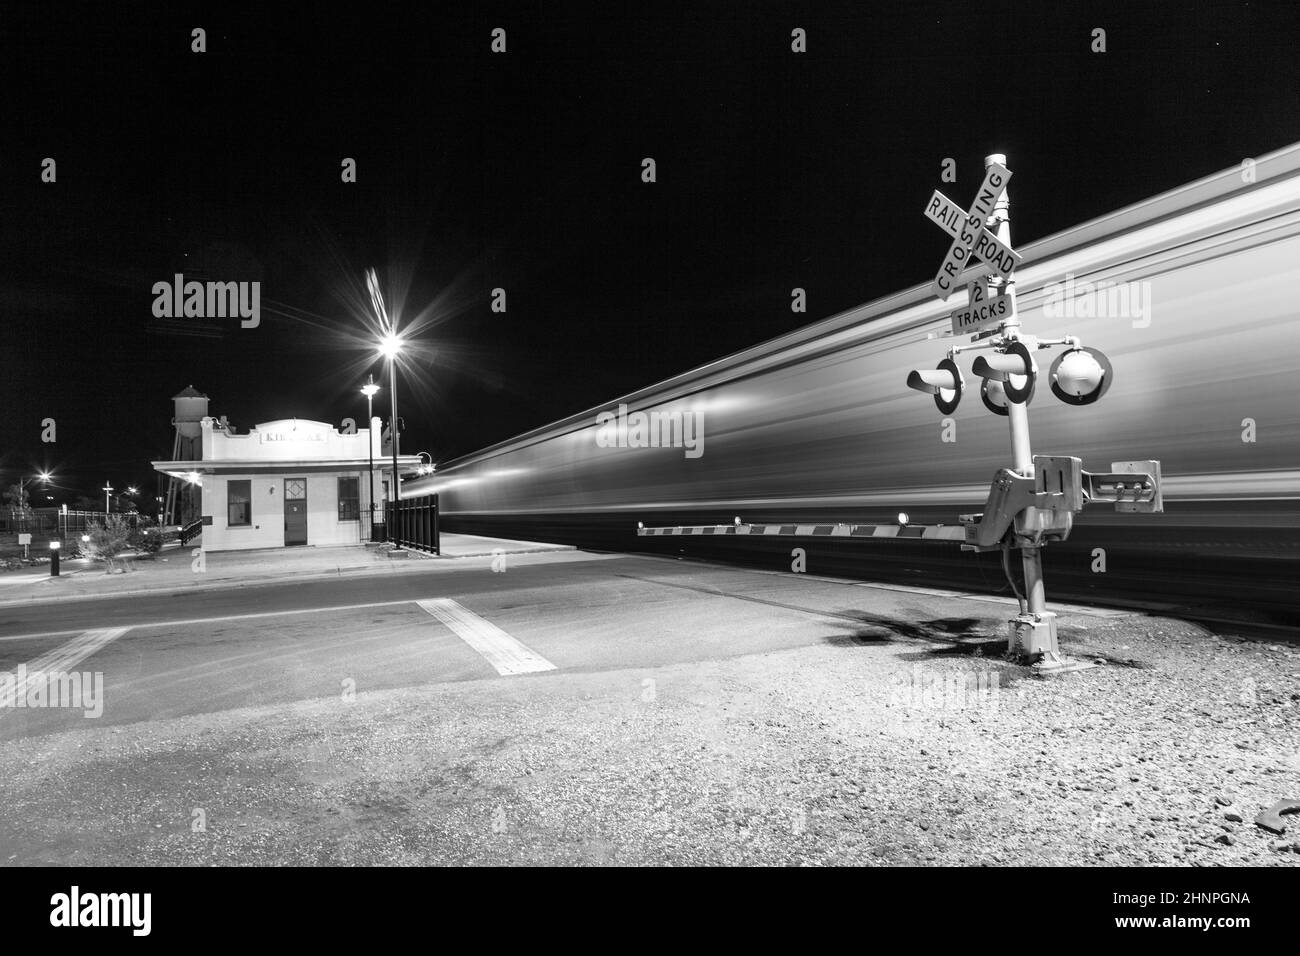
<point x="970" y="236"/>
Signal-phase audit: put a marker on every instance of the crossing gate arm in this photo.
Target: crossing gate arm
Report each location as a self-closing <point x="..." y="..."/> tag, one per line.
<point x="937" y="532"/>
<point x="1020" y="511"/>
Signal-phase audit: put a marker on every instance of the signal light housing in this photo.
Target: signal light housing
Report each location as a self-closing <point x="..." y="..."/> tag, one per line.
<point x="1080" y="376"/>
<point x="1016" y="362"/>
<point x="944" y="383"/>
<point x="994" y="396"/>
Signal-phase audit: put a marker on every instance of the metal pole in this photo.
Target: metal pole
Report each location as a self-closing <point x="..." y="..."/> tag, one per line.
<point x="392" y="385"/>
<point x="370" y="450"/>
<point x="1034" y="633"/>
<point x="397" y="492"/>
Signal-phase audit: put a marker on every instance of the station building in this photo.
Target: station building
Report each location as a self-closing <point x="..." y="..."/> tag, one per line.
<point x="286" y="483"/>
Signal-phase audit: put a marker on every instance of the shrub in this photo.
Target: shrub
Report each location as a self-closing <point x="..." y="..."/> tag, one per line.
<point x="107" y="540"/>
<point x="146" y="536"/>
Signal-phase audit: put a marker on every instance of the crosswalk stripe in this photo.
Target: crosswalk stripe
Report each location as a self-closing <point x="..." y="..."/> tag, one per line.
<point x="60" y="660"/>
<point x="498" y="648"/>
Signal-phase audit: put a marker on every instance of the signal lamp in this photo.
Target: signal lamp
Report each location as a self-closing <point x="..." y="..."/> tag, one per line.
<point x="1080" y="376"/>
<point x="994" y="397"/>
<point x="944" y="383"/>
<point x="1014" y="369"/>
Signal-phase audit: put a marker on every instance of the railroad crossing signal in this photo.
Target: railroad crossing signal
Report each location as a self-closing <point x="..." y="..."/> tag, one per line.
<point x="1034" y="501"/>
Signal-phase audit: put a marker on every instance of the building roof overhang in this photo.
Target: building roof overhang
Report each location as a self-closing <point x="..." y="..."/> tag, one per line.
<point x="233" y="466"/>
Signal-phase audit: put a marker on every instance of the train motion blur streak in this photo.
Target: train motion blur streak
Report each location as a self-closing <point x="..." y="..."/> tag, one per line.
<point x="818" y="423"/>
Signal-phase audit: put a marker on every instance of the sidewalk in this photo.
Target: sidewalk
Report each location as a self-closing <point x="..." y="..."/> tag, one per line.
<point x="173" y="568"/>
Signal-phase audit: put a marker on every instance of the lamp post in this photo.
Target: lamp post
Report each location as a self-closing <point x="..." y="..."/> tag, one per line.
<point x="389" y="347"/>
<point x="369" y="390"/>
<point x="107" y="490"/>
<point x="43" y="478"/>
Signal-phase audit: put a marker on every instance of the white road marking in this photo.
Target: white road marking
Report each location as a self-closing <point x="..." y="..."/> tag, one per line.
<point x="498" y="648"/>
<point x="60" y="660"/>
<point x="226" y="617"/>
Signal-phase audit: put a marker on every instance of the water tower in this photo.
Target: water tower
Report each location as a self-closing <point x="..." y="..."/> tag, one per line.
<point x="191" y="407"/>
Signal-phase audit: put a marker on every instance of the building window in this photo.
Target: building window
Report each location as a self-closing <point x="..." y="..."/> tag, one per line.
<point x="239" y="497"/>
<point x="349" y="499"/>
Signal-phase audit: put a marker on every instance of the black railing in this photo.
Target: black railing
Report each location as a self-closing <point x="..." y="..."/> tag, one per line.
<point x="413" y="523"/>
<point x="191" y="531"/>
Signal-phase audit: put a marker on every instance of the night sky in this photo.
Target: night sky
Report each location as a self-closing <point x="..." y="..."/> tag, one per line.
<point x="522" y="171"/>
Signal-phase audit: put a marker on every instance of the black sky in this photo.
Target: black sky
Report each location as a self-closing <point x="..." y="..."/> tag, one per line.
<point x="522" y="171"/>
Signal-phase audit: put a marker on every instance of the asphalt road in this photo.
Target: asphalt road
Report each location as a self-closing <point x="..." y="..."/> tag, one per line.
<point x="185" y="653"/>
<point x="584" y="708"/>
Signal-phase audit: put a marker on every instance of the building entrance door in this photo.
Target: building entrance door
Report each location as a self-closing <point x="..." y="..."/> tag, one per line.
<point x="295" y="511"/>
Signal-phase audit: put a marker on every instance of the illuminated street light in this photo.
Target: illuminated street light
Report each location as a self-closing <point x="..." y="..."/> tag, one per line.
<point x="43" y="477"/>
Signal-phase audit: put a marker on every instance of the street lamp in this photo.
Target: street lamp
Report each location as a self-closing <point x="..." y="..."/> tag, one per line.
<point x="43" y="477"/>
<point x="107" y="490"/>
<point x="390" y="346"/>
<point x="425" y="469"/>
<point x="369" y="390"/>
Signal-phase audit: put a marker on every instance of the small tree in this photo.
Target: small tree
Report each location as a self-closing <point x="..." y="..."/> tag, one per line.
<point x="16" y="498"/>
<point x="107" y="540"/>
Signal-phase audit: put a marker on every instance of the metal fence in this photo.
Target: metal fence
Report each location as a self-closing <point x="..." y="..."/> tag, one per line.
<point x="413" y="523"/>
<point x="52" y="521"/>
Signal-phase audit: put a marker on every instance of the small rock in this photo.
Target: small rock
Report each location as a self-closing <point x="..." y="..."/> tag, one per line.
<point x="1224" y="839"/>
<point x="1222" y="801"/>
<point x="1271" y="819"/>
<point x="1232" y="817"/>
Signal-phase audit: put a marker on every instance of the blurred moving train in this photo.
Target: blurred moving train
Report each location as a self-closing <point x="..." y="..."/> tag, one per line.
<point x="1204" y="338"/>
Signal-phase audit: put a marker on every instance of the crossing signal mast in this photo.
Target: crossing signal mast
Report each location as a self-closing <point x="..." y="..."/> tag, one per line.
<point x="1035" y="500"/>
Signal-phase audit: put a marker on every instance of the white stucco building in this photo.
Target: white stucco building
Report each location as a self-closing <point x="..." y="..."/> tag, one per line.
<point x="287" y="483"/>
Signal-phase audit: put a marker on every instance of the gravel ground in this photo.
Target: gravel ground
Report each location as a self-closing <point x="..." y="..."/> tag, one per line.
<point x="865" y="749"/>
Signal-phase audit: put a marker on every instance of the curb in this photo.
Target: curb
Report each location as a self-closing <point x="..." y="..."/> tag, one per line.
<point x="213" y="584"/>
